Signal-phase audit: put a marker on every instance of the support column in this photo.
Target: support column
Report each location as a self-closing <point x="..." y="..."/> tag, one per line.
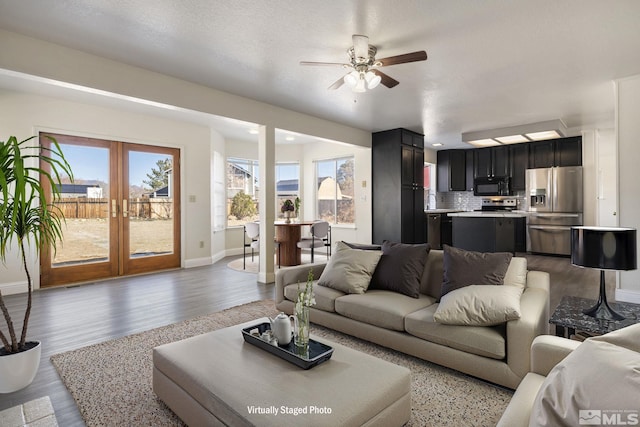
<point x="266" y="198"/>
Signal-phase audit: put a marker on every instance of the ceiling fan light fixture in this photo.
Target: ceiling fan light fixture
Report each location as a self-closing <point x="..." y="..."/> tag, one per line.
<point x="352" y="78"/>
<point x="360" y="86"/>
<point x="373" y="80"/>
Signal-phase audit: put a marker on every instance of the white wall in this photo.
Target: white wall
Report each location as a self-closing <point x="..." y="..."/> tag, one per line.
<point x="628" y="135"/>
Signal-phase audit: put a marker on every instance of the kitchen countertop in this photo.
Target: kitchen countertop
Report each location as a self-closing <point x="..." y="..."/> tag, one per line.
<point x="428" y="211"/>
<point x="478" y="214"/>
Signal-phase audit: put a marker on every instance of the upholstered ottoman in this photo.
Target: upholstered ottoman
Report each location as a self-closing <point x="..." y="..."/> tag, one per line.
<point x="219" y="379"/>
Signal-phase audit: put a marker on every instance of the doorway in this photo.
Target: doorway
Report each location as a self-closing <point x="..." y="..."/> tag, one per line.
<point x="122" y="211"/>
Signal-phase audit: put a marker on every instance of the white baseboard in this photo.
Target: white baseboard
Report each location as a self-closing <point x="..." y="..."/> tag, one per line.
<point x="625" y="295"/>
<point x="197" y="262"/>
<point x="13" y="288"/>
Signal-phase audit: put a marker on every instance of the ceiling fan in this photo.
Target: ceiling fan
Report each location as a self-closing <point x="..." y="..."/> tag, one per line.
<point x="365" y="74"/>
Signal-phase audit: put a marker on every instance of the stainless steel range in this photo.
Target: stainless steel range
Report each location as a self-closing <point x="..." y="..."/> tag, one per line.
<point x="555" y="205"/>
<point x="498" y="204"/>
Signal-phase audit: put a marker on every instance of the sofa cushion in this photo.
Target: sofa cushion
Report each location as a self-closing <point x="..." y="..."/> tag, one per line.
<point x="463" y="268"/>
<point x="363" y="246"/>
<point x="486" y="341"/>
<point x="349" y="270"/>
<point x="325" y="297"/>
<point x="381" y="308"/>
<point x="479" y="305"/>
<point x="576" y="386"/>
<point x="400" y="268"/>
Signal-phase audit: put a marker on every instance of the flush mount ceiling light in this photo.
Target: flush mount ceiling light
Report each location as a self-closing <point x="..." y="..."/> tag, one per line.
<point x="515" y="134"/>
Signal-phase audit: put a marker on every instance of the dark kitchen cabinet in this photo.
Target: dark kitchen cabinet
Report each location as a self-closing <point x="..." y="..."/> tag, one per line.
<point x="568" y="151"/>
<point x="519" y="165"/>
<point x="469" y="165"/>
<point x="484" y="234"/>
<point x="491" y="162"/>
<point x="397" y="158"/>
<point x="451" y="170"/>
<point x="556" y="152"/>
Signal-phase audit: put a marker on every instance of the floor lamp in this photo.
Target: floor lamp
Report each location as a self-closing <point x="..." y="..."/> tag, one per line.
<point x="606" y="248"/>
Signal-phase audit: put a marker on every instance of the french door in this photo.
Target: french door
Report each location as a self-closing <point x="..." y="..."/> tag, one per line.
<point x="122" y="211"/>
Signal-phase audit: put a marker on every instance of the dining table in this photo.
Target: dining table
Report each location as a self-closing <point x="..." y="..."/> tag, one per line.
<point x="288" y="235"/>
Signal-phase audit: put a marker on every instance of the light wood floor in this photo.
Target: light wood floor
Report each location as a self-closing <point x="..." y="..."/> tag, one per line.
<point x="72" y="317"/>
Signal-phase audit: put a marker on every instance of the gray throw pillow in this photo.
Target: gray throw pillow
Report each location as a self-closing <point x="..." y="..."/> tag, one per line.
<point x="349" y="270"/>
<point x="463" y="268"/>
<point x="400" y="268"/>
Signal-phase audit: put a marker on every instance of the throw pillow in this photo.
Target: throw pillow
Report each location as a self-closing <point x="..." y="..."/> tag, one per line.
<point x="363" y="246"/>
<point x="463" y="268"/>
<point x="349" y="270"/>
<point x="479" y="305"/>
<point x="597" y="379"/>
<point x="400" y="268"/>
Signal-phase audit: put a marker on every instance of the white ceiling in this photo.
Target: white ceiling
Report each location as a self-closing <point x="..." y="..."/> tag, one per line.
<point x="492" y="63"/>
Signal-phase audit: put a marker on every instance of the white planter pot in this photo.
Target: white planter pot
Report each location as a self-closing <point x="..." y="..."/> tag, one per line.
<point x="18" y="370"/>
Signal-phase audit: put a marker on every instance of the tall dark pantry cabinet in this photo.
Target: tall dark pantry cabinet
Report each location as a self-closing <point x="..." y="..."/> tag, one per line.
<point x="397" y="158"/>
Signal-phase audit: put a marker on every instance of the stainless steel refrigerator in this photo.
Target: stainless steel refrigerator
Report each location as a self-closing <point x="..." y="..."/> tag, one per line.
<point x="554" y="197"/>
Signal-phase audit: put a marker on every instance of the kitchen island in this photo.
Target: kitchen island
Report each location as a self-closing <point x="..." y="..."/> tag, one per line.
<point x="489" y="231"/>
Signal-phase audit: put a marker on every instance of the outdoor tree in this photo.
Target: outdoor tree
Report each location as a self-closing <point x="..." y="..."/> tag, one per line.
<point x="159" y="176"/>
<point x="242" y="206"/>
<point x="345" y="179"/>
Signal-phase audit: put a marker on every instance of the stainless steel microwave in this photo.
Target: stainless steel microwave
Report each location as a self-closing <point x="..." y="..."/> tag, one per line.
<point x="491" y="186"/>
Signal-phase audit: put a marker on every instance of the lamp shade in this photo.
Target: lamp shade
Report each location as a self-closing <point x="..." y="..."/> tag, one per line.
<point x="606" y="248"/>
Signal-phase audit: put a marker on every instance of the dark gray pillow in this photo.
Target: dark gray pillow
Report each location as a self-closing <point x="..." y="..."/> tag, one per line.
<point x="400" y="268"/>
<point x="363" y="246"/>
<point x="463" y="268"/>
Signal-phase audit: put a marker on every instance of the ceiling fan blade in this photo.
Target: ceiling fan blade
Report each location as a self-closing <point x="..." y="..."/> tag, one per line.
<point x="328" y="64"/>
<point x="420" y="55"/>
<point x="337" y="84"/>
<point x="360" y="46"/>
<point x="386" y="80"/>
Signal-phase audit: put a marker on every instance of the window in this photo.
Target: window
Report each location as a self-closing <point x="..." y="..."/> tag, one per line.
<point x="335" y="190"/>
<point x="287" y="184"/>
<point x="242" y="191"/>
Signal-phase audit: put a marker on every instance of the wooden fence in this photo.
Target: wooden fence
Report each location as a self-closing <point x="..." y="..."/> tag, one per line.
<point x="139" y="208"/>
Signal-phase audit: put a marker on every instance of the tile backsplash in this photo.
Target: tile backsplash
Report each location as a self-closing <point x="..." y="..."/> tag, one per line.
<point x="466" y="201"/>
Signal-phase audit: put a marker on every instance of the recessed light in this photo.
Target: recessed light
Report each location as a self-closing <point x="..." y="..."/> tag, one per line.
<point x="437" y="144"/>
<point x="484" y="142"/>
<point x="511" y="139"/>
<point x="540" y="136"/>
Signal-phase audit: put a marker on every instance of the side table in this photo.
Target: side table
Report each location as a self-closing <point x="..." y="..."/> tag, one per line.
<point x="568" y="317"/>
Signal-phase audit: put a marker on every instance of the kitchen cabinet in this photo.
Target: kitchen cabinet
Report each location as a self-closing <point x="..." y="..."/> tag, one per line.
<point x="469" y="170"/>
<point x="519" y="165"/>
<point x="397" y="158"/>
<point x="484" y="234"/>
<point x="439" y="229"/>
<point x="491" y="162"/>
<point x="451" y="170"/>
<point x="556" y="152"/>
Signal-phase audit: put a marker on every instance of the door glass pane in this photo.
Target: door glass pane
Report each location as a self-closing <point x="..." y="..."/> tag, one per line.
<point x="150" y="204"/>
<point x="85" y="204"/>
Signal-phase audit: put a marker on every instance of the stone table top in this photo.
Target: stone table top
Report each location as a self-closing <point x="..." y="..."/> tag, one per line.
<point x="569" y="315"/>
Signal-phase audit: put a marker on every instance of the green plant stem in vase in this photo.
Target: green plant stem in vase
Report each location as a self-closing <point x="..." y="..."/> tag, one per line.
<point x="301" y="313"/>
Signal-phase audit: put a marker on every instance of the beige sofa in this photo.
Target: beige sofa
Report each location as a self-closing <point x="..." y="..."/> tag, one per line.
<point x="546" y="352"/>
<point x="572" y="383"/>
<point x="499" y="354"/>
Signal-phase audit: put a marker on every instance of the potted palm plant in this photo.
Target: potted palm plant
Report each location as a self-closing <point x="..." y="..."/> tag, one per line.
<point x="27" y="170"/>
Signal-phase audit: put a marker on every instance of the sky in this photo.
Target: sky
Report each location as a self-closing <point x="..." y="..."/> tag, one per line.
<point x="91" y="163"/>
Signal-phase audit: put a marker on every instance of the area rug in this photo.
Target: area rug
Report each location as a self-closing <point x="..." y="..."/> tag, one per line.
<point x="111" y="381"/>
